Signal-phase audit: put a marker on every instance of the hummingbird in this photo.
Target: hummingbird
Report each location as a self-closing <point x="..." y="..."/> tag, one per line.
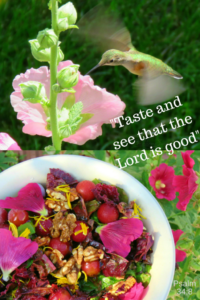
<point x="109" y="31"/>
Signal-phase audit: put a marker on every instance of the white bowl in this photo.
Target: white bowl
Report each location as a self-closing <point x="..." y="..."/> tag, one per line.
<point x="163" y="257"/>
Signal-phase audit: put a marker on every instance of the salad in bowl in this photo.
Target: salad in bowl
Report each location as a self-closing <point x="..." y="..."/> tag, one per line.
<point x="73" y="240"/>
<point x="69" y="236"/>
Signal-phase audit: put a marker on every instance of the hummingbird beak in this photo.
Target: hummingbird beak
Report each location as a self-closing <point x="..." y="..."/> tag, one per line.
<point x="97" y="66"/>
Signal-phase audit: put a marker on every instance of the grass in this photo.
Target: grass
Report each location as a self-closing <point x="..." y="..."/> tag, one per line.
<point x="166" y="29"/>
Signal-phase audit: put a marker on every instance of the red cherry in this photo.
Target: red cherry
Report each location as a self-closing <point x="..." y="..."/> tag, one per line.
<point x="60" y="294"/>
<point x="84" y="188"/>
<point x="91" y="268"/>
<point x="80" y="237"/>
<point x="43" y="227"/>
<point x="107" y="213"/>
<point x="64" y="248"/>
<point x="18" y="216"/>
<point x="3" y="215"/>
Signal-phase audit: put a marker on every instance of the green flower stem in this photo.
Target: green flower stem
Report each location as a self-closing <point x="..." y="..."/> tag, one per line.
<point x="53" y="80"/>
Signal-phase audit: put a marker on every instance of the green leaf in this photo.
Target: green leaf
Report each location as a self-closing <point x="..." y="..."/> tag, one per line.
<point x="131" y="273"/>
<point x="184" y="244"/>
<point x="28" y="225"/>
<point x="87" y="286"/>
<point x="145" y="278"/>
<point x="29" y="263"/>
<point x="69" y="102"/>
<point x="6" y="161"/>
<point x="123" y="197"/>
<point x="95" y="218"/>
<point x="107" y="281"/>
<point x="75" y="112"/>
<point x="100" y="154"/>
<point x="198" y="294"/>
<point x="85" y="117"/>
<point x="167" y="207"/>
<point x="96" y="181"/>
<point x="195" y="264"/>
<point x="66" y="131"/>
<point x="92" y="206"/>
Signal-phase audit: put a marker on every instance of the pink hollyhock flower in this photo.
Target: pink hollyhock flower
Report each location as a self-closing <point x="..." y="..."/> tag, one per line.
<point x="186" y="184"/>
<point x="188" y="161"/>
<point x="7" y="143"/>
<point x="14" y="252"/>
<point x="117" y="236"/>
<point x="103" y="105"/>
<point x="180" y="255"/>
<point x="29" y="198"/>
<point x="161" y="180"/>
<point x="135" y="293"/>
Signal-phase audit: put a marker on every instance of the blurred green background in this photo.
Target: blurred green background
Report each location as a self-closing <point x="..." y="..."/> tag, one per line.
<point x="167" y="29"/>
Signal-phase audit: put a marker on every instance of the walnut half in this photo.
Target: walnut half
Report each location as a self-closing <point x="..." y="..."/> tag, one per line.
<point x="63" y="226"/>
<point x="92" y="254"/>
<point x="121" y="287"/>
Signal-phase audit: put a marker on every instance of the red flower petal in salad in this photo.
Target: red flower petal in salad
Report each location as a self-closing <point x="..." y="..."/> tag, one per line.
<point x="118" y="235"/>
<point x="14" y="251"/>
<point x="29" y="198"/>
<point x="106" y="193"/>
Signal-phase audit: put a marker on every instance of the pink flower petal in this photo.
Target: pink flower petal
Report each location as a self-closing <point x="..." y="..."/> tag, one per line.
<point x="180" y="255"/>
<point x="14" y="252"/>
<point x="135" y="293"/>
<point x="118" y="235"/>
<point x="29" y="198"/>
<point x="103" y="105"/>
<point x="186" y="186"/>
<point x="188" y="161"/>
<point x="161" y="180"/>
<point x="7" y="143"/>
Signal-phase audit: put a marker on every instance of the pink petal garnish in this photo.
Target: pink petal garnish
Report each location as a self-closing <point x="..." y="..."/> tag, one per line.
<point x="135" y="293"/>
<point x="14" y="252"/>
<point x="29" y="198"/>
<point x="118" y="235"/>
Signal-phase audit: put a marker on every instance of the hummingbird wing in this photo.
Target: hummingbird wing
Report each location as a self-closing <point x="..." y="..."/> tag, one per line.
<point x="155" y="90"/>
<point x="104" y="29"/>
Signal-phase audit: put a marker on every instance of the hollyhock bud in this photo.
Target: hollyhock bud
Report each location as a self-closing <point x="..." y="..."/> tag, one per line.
<point x="43" y="54"/>
<point x="47" y="38"/>
<point x="68" y="77"/>
<point x="33" y="91"/>
<point x="68" y="11"/>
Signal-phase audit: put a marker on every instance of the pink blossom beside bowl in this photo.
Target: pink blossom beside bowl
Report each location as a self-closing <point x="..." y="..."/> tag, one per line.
<point x="180" y="255"/>
<point x="7" y="143"/>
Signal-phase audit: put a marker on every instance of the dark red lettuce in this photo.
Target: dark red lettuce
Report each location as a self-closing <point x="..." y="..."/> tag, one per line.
<point x="106" y="193"/>
<point x="58" y="177"/>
